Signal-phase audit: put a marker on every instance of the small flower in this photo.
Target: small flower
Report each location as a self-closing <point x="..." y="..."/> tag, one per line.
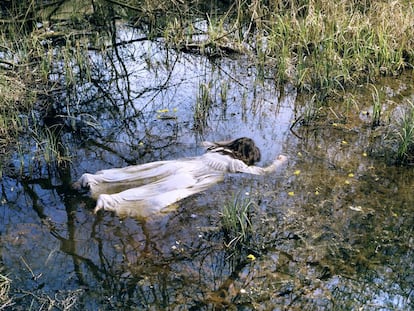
<point x="251" y="257"/>
<point x="297" y="172"/>
<point x="344" y="142"/>
<point x="334" y="124"/>
<point x="316" y="192"/>
<point x="347" y="182"/>
<point x="291" y="193"/>
<point x="364" y="154"/>
<point x="351" y="175"/>
<point x="300" y="154"/>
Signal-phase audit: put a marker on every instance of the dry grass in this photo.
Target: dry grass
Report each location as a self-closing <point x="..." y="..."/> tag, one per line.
<point x="5" y="300"/>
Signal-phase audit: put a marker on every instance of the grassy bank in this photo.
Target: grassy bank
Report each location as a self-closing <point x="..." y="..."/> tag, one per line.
<point x="36" y="62"/>
<point x="320" y="46"/>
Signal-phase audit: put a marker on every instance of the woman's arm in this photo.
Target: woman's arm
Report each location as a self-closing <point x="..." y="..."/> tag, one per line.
<point x="238" y="166"/>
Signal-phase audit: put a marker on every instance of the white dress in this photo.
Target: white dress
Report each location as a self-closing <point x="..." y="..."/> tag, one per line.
<point x="143" y="190"/>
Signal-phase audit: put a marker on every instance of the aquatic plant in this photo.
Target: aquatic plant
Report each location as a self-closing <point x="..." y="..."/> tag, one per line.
<point x="202" y="105"/>
<point x="50" y="148"/>
<point x="404" y="134"/>
<point x="235" y="219"/>
<point x="376" y="107"/>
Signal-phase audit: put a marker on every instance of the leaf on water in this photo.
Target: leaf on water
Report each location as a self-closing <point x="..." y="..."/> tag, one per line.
<point x="356" y="208"/>
<point x="251" y="257"/>
<point x="162" y="110"/>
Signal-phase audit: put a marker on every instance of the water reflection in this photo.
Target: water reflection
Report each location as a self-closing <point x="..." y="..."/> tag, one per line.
<point x="334" y="230"/>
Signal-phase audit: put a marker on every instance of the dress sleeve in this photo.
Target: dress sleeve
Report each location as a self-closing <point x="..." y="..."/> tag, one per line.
<point x="238" y="166"/>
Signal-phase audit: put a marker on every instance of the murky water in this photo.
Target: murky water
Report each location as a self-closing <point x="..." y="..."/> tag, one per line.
<point x="334" y="231"/>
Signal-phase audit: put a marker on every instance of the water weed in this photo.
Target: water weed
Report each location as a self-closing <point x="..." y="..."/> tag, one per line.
<point x="236" y="220"/>
<point x="376" y="107"/>
<point x="202" y="107"/>
<point x="404" y="134"/>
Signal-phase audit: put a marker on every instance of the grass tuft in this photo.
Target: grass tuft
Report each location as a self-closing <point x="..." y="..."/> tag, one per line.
<point x="236" y="220"/>
<point x="404" y="134"/>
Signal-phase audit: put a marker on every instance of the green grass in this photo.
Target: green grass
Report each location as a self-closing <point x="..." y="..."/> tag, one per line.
<point x="376" y="107"/>
<point x="236" y="221"/>
<point x="404" y="134"/>
<point x="321" y="47"/>
<point x="203" y="105"/>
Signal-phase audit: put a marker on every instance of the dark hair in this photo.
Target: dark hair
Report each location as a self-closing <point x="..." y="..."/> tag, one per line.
<point x="243" y="149"/>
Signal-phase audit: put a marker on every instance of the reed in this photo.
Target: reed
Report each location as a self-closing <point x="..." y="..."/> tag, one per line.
<point x="320" y="46"/>
<point x="203" y="105"/>
<point x="376" y="107"/>
<point x="49" y="147"/>
<point x="404" y="134"/>
<point x="236" y="220"/>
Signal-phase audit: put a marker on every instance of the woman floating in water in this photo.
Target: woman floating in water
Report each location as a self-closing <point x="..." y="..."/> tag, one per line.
<point x="154" y="186"/>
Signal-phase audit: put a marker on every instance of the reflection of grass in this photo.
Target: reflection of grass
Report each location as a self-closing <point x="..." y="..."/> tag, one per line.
<point x="236" y="219"/>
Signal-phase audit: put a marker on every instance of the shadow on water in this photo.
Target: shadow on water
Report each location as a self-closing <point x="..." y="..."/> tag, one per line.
<point x="334" y="231"/>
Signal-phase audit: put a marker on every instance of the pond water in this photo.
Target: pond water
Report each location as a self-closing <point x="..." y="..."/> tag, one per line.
<point x="333" y="231"/>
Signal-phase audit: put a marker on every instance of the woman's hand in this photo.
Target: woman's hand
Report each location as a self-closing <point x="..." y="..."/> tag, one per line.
<point x="281" y="158"/>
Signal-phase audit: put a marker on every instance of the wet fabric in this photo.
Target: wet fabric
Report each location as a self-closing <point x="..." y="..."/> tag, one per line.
<point x="143" y="190"/>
